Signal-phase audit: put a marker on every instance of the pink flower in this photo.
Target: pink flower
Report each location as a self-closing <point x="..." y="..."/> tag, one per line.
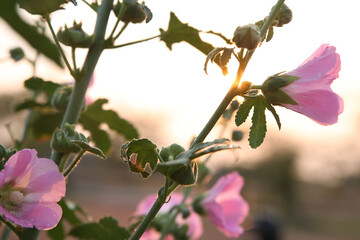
<point x="195" y="228"/>
<point x="224" y="206"/>
<point x="152" y="234"/>
<point x="311" y="91"/>
<point x="30" y="188"/>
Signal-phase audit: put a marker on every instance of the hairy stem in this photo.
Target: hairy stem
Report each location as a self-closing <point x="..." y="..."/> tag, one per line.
<point x="135" y="42"/>
<point x="77" y="96"/>
<point x="153" y="211"/>
<point x="47" y="19"/>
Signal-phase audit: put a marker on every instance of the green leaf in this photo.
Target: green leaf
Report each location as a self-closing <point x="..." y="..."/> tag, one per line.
<point x="86" y="147"/>
<point x="106" y="229"/>
<point x="69" y="212"/>
<point x="138" y="154"/>
<point x="272" y="110"/>
<point x="8" y="12"/>
<point x="39" y="85"/>
<point x="44" y="123"/>
<point x="98" y="136"/>
<point x="258" y="128"/>
<point x="179" y="170"/>
<point x="57" y="233"/>
<point x="178" y="32"/>
<point x="244" y="110"/>
<point x="94" y="115"/>
<point x="270" y="34"/>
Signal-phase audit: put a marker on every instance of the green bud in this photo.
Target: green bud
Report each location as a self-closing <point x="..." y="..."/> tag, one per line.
<point x="17" y="54"/>
<point x="234" y="105"/>
<point x="271" y="89"/>
<point x="237" y="135"/>
<point x="42" y="7"/>
<point x="61" y="97"/>
<point x="75" y="36"/>
<point x="186" y="175"/>
<point x="9" y="152"/>
<point x="284" y="16"/>
<point x="196" y="204"/>
<point x="247" y="36"/>
<point x="185" y="212"/>
<point x="134" y="13"/>
<point x="61" y="139"/>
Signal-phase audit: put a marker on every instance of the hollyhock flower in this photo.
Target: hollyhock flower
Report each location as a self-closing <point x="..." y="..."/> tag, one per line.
<point x="195" y="228"/>
<point x="152" y="234"/>
<point x="30" y="188"/>
<point x="224" y="206"/>
<point x="307" y="88"/>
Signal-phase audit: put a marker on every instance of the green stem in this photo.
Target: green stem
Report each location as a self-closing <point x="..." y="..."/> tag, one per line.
<point x="6" y="233"/>
<point x="135" y="42"/>
<point x="73" y="56"/>
<point x="119" y="17"/>
<point x="256" y="86"/>
<point x="47" y="19"/>
<point x="216" y="116"/>
<point x="10" y="226"/>
<point x="74" y="163"/>
<point x="153" y="211"/>
<point x="265" y="27"/>
<point x="121" y="31"/>
<point x="77" y="96"/>
<point x="63" y="162"/>
<point x="165" y="230"/>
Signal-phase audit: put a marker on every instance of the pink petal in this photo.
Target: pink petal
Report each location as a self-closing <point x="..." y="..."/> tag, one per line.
<point x="19" y="163"/>
<point x="43" y="216"/>
<point x="320" y="105"/>
<point x="49" y="187"/>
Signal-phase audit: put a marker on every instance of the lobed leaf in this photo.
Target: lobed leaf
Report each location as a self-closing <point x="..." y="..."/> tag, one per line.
<point x="178" y="32"/>
<point x="244" y="110"/>
<point x="258" y="128"/>
<point x="106" y="229"/>
<point x="9" y="13"/>
<point x="138" y="154"/>
<point x="95" y="115"/>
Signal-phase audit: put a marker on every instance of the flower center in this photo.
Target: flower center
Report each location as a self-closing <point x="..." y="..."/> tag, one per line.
<point x="10" y="197"/>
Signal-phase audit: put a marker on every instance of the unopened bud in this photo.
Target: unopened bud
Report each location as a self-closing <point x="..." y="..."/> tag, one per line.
<point x="271" y="89"/>
<point x="61" y="139"/>
<point x="61" y="97"/>
<point x="247" y="36"/>
<point x="75" y="36"/>
<point x="237" y="135"/>
<point x="284" y="16"/>
<point x="134" y="12"/>
<point x="17" y="54"/>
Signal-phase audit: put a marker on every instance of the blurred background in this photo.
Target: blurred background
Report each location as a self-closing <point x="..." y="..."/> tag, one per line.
<point x="304" y="179"/>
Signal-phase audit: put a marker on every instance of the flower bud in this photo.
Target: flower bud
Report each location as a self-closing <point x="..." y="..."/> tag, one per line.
<point x="134" y="13"/>
<point x="197" y="206"/>
<point x="271" y="89"/>
<point x="17" y="54"/>
<point x="75" y="36"/>
<point x="61" y="139"/>
<point x="237" y="135"/>
<point x="61" y="97"/>
<point x="42" y="7"/>
<point x="284" y="16"/>
<point x="247" y="36"/>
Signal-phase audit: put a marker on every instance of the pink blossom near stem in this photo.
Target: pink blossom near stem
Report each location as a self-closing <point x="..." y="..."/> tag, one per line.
<point x="224" y="206"/>
<point x="195" y="227"/>
<point x="152" y="234"/>
<point x="315" y="99"/>
<point x="30" y="188"/>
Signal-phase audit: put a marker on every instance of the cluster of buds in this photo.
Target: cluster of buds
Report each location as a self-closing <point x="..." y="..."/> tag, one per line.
<point x="74" y="36"/>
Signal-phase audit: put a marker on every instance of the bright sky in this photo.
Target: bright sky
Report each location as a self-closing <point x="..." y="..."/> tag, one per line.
<point x="149" y="78"/>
